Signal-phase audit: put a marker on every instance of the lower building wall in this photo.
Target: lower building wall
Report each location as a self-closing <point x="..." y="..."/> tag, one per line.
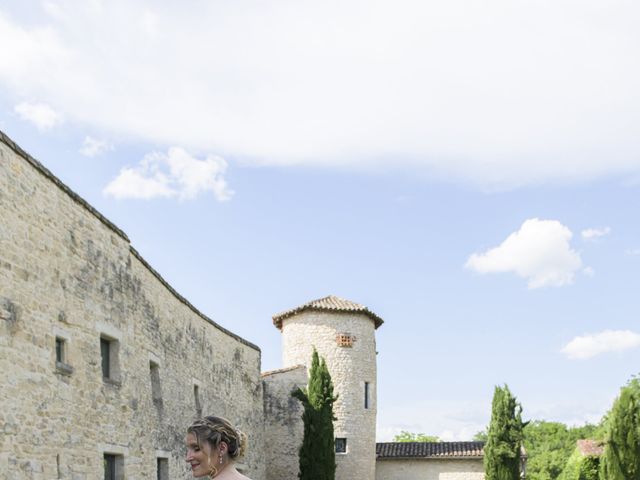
<point x="429" y="469"/>
<point x="284" y="429"/>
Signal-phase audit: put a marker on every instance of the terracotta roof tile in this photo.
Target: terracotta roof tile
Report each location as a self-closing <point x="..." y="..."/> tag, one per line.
<point x="429" y="450"/>
<point x="329" y="304"/>
<point x="590" y="448"/>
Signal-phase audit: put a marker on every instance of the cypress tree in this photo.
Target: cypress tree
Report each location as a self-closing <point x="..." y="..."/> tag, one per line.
<point x="504" y="439"/>
<point x="317" y="456"/>
<point x="621" y="458"/>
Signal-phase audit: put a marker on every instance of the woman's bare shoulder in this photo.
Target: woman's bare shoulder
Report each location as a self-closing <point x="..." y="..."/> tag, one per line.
<point x="236" y="475"/>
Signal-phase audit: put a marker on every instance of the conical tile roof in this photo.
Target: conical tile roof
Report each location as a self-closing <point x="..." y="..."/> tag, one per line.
<point x="328" y="304"/>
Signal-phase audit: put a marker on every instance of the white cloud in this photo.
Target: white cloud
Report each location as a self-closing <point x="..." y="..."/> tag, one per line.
<point x="539" y="251"/>
<point x="139" y="183"/>
<point x="590" y="345"/>
<point x="431" y="86"/>
<point x="40" y="114"/>
<point x="588" y="271"/>
<point x="92" y="147"/>
<point x="633" y="252"/>
<point x="175" y="174"/>
<point x="594" y="233"/>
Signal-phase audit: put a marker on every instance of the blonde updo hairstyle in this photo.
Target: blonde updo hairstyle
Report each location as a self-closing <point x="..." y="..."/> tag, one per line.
<point x="215" y="430"/>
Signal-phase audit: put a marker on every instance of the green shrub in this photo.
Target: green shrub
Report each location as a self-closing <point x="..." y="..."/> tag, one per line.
<point x="589" y="468"/>
<point x="580" y="467"/>
<point x="621" y="458"/>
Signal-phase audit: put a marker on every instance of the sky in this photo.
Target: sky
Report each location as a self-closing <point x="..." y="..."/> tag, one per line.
<point x="469" y="171"/>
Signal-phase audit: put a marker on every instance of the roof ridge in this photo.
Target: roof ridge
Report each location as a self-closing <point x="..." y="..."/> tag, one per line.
<point x="281" y="370"/>
<point x="331" y="303"/>
<point x="335" y="298"/>
<point x="456" y="449"/>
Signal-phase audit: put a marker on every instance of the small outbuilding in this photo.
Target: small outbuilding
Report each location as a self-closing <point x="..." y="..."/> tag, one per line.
<point x="429" y="461"/>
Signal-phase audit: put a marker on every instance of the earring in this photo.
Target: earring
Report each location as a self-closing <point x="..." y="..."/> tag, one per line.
<point x="220" y="458"/>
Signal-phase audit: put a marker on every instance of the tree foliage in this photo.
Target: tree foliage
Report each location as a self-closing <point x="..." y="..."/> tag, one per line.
<point x="581" y="467"/>
<point x="317" y="457"/>
<point x="405" y="436"/>
<point x="549" y="447"/>
<point x="589" y="468"/>
<point x="621" y="458"/>
<point x="504" y="439"/>
<point x="481" y="436"/>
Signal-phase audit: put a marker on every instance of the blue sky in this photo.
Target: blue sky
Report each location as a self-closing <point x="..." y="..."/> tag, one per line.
<point x="470" y="174"/>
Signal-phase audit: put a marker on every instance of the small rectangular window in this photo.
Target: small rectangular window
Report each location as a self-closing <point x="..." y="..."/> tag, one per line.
<point x="196" y="399"/>
<point x="60" y="350"/>
<point x="62" y="367"/>
<point x="109" y="467"/>
<point x="109" y="349"/>
<point x="341" y="445"/>
<point x="113" y="467"/>
<point x="156" y="392"/>
<point x="163" y="468"/>
<point x="366" y="395"/>
<point x="105" y="352"/>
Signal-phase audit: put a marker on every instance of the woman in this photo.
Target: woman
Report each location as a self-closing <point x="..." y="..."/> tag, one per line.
<point x="213" y="445"/>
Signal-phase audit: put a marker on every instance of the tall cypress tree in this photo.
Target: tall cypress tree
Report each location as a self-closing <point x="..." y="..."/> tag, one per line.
<point x="621" y="459"/>
<point x="317" y="454"/>
<point x="504" y="439"/>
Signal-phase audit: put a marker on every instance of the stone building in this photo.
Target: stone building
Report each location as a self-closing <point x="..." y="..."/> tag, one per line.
<point x="283" y="425"/>
<point x="343" y="333"/>
<point x="430" y="461"/>
<point x="103" y="363"/>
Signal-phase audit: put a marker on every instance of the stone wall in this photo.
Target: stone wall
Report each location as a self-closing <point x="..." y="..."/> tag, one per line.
<point x="430" y="469"/>
<point x="284" y="429"/>
<point x="67" y="273"/>
<point x="350" y="368"/>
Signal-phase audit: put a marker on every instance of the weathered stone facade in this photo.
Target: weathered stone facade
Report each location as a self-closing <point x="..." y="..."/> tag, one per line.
<point x="71" y="285"/>
<point x="430" y="469"/>
<point x="351" y="366"/>
<point x="100" y="357"/>
<point x="284" y="429"/>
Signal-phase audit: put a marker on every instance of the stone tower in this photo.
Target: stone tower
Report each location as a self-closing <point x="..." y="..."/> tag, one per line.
<point x="343" y="332"/>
